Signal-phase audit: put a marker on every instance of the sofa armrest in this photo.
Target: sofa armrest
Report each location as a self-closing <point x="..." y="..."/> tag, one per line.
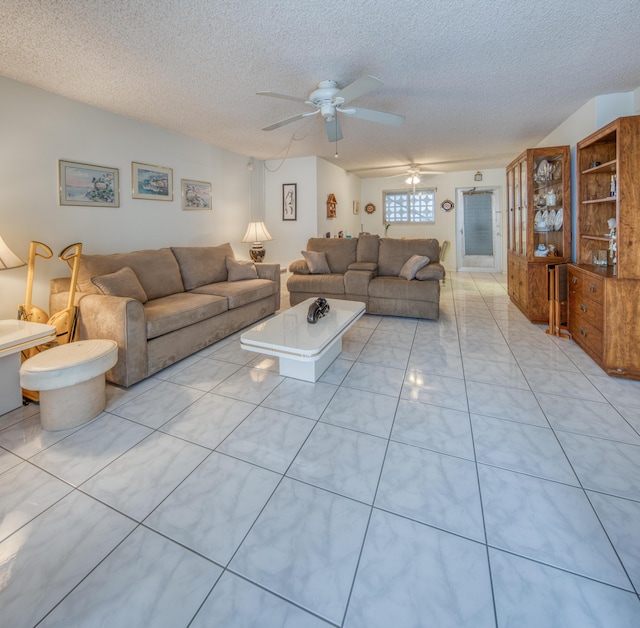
<point x="370" y="266"/>
<point x="299" y="267"/>
<point x="268" y="271"/>
<point x="121" y="319"/>
<point x="432" y="271"/>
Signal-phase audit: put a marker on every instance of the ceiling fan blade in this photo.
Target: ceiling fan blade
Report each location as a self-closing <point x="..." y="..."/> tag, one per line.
<point x="284" y="96"/>
<point x="359" y="87"/>
<point x="371" y="115"/>
<point x="334" y="132"/>
<point x="277" y="125"/>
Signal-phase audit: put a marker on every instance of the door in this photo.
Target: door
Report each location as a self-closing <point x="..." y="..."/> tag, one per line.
<point x="479" y="230"/>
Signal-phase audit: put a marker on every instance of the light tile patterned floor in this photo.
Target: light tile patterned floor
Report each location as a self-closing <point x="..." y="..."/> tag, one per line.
<point x="468" y="472"/>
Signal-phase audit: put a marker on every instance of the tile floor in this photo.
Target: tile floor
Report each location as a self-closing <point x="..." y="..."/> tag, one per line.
<point x="468" y="472"/>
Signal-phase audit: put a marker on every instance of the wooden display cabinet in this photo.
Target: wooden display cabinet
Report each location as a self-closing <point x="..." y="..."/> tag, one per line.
<point x="538" y="225"/>
<point x="604" y="283"/>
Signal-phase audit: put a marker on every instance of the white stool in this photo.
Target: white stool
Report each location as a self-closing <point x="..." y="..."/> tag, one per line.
<point x="71" y="381"/>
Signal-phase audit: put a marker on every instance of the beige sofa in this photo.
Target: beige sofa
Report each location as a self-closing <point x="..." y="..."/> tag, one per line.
<point x="367" y="269"/>
<point x="163" y="305"/>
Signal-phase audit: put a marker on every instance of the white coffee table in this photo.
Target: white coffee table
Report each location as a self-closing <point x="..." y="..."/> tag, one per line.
<point x="305" y="350"/>
<point x="15" y="336"/>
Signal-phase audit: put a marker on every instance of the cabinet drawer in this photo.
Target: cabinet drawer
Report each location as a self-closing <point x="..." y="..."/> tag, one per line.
<point x="587" y="309"/>
<point x="584" y="333"/>
<point x="590" y="286"/>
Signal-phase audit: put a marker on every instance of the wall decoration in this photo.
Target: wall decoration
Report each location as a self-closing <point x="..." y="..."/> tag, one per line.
<point x="356" y="207"/>
<point x="332" y="205"/>
<point x="369" y="208"/>
<point x="151" y="182"/>
<point x="289" y="201"/>
<point x="93" y="186"/>
<point x="195" y="194"/>
<point x="447" y="205"/>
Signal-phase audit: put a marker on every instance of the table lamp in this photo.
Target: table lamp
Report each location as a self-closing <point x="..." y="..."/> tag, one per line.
<point x="257" y="233"/>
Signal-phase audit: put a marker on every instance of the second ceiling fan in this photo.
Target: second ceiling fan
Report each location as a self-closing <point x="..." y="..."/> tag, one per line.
<point x="329" y="100"/>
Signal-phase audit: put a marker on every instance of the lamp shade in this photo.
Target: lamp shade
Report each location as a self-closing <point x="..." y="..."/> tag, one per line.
<point x="8" y="259"/>
<point x="256" y="232"/>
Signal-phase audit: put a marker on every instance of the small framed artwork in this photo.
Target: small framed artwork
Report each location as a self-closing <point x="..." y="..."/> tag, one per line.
<point x="151" y="182"/>
<point x="92" y="186"/>
<point x="289" y="201"/>
<point x="356" y="207"/>
<point x="195" y="194"/>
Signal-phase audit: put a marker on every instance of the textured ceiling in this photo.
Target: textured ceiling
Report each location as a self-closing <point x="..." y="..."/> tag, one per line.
<point x="477" y="81"/>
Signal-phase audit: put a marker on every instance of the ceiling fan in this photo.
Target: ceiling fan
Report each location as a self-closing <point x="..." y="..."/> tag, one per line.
<point x="329" y="100"/>
<point x="413" y="175"/>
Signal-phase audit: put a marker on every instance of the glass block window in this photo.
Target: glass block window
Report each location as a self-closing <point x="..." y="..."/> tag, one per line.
<point x="409" y="207"/>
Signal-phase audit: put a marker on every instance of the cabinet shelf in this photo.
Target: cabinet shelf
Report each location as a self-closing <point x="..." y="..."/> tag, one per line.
<point x="608" y="199"/>
<point x="584" y="236"/>
<point x="610" y="166"/>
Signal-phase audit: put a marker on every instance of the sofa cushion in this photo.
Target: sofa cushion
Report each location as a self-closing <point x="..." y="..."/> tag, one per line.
<point x="318" y="285"/>
<point x="412" y="266"/>
<point x="316" y="262"/>
<point x="176" y="311"/>
<point x="340" y="251"/>
<point x="367" y="248"/>
<point x="430" y="272"/>
<point x="202" y="265"/>
<point x="395" y="252"/>
<point x="240" y="269"/>
<point x="370" y="266"/>
<point x="121" y="283"/>
<point x="398" y="289"/>
<point x="239" y="293"/>
<point x="157" y="270"/>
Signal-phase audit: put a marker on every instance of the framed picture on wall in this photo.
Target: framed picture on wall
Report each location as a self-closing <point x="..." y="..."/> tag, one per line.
<point x="356" y="207"/>
<point x="289" y="201"/>
<point x="151" y="182"/>
<point x="195" y="194"/>
<point x="84" y="184"/>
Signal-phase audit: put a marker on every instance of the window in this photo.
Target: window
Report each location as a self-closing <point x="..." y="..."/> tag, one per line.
<point x="409" y="206"/>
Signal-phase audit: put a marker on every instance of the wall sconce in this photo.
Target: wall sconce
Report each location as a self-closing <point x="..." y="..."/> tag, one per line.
<point x="478" y="176"/>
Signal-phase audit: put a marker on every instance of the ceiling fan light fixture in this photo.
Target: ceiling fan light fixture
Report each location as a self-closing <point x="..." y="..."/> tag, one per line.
<point x="412" y="179"/>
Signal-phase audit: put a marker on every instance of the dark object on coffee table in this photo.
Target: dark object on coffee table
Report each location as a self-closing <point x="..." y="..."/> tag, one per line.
<point x="317" y="309"/>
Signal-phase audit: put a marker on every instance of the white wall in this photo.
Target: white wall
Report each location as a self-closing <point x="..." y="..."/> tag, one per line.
<point x="290" y="236"/>
<point x="444" y="227"/>
<point x="346" y="188"/>
<point x="39" y="128"/>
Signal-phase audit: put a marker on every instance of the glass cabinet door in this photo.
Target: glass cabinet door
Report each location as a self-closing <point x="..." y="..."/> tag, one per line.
<point x="511" y="208"/>
<point x="524" y="211"/>
<point x="517" y="211"/>
<point x="548" y="201"/>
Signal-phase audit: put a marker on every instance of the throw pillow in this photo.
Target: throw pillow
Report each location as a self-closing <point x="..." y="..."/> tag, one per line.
<point x="238" y="270"/>
<point x="317" y="262"/>
<point x="122" y="283"/>
<point x="412" y="266"/>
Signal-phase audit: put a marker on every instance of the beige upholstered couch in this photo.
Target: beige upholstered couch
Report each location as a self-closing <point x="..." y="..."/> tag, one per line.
<point x="163" y="305"/>
<point x="367" y="269"/>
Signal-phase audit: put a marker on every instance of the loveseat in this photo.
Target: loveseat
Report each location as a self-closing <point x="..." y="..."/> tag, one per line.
<point x="165" y="304"/>
<point x="389" y="275"/>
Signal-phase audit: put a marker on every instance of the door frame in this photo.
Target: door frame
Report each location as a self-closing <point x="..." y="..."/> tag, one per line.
<point x="496" y="210"/>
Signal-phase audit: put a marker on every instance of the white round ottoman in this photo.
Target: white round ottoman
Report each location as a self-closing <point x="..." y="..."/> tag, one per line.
<point x="71" y="381"/>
